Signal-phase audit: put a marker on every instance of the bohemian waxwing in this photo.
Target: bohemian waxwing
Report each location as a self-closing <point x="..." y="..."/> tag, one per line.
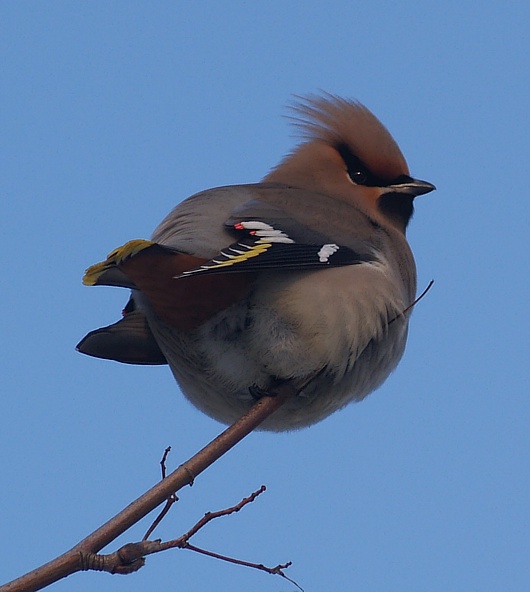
<point x="305" y="277"/>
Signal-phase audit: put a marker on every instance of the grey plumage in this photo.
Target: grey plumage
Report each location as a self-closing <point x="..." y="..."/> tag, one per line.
<point x="325" y="307"/>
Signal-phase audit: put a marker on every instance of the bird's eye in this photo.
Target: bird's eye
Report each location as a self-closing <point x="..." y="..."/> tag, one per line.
<point x="358" y="176"/>
<point x="357" y="171"/>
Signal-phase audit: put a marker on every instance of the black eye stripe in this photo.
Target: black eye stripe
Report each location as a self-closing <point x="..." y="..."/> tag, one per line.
<point x="357" y="171"/>
<point x="360" y="174"/>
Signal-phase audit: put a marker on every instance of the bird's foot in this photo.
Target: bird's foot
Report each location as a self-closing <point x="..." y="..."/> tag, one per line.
<point x="258" y="392"/>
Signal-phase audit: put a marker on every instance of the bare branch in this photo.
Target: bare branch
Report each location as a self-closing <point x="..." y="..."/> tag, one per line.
<point x="132" y="556"/>
<point x="77" y="558"/>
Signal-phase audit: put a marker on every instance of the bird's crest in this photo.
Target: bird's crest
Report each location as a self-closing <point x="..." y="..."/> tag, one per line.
<point x="333" y="120"/>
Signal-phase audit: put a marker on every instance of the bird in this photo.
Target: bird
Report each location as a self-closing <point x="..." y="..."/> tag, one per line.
<point x="305" y="278"/>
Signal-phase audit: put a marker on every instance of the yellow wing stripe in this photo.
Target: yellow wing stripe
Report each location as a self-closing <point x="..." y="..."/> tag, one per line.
<point x="231" y="258"/>
<point x="254" y="251"/>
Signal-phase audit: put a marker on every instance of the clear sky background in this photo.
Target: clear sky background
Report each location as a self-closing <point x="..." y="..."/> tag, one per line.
<point x="111" y="113"/>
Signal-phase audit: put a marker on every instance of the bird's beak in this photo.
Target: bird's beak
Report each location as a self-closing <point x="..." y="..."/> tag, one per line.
<point x="412" y="187"/>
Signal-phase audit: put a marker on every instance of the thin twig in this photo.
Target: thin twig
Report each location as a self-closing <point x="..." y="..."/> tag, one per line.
<point x="169" y="502"/>
<point x="212" y="516"/>
<point x="163" y="461"/>
<point x="411" y="306"/>
<point x="277" y="570"/>
<point x="132" y="556"/>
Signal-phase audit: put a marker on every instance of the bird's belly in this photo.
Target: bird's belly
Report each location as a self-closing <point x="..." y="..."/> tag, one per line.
<point x="336" y="335"/>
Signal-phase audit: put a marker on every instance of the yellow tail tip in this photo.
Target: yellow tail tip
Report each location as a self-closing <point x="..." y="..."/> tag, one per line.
<point x="114" y="258"/>
<point x="93" y="273"/>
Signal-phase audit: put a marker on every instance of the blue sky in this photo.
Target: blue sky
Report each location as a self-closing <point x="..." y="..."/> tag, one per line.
<point x="111" y="113"/>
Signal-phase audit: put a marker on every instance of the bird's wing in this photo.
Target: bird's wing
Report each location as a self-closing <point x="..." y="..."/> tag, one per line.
<point x="152" y="268"/>
<point x="185" y="291"/>
<point x="268" y="239"/>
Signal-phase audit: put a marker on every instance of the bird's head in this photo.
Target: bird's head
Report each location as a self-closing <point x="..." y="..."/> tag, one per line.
<point x="348" y="154"/>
